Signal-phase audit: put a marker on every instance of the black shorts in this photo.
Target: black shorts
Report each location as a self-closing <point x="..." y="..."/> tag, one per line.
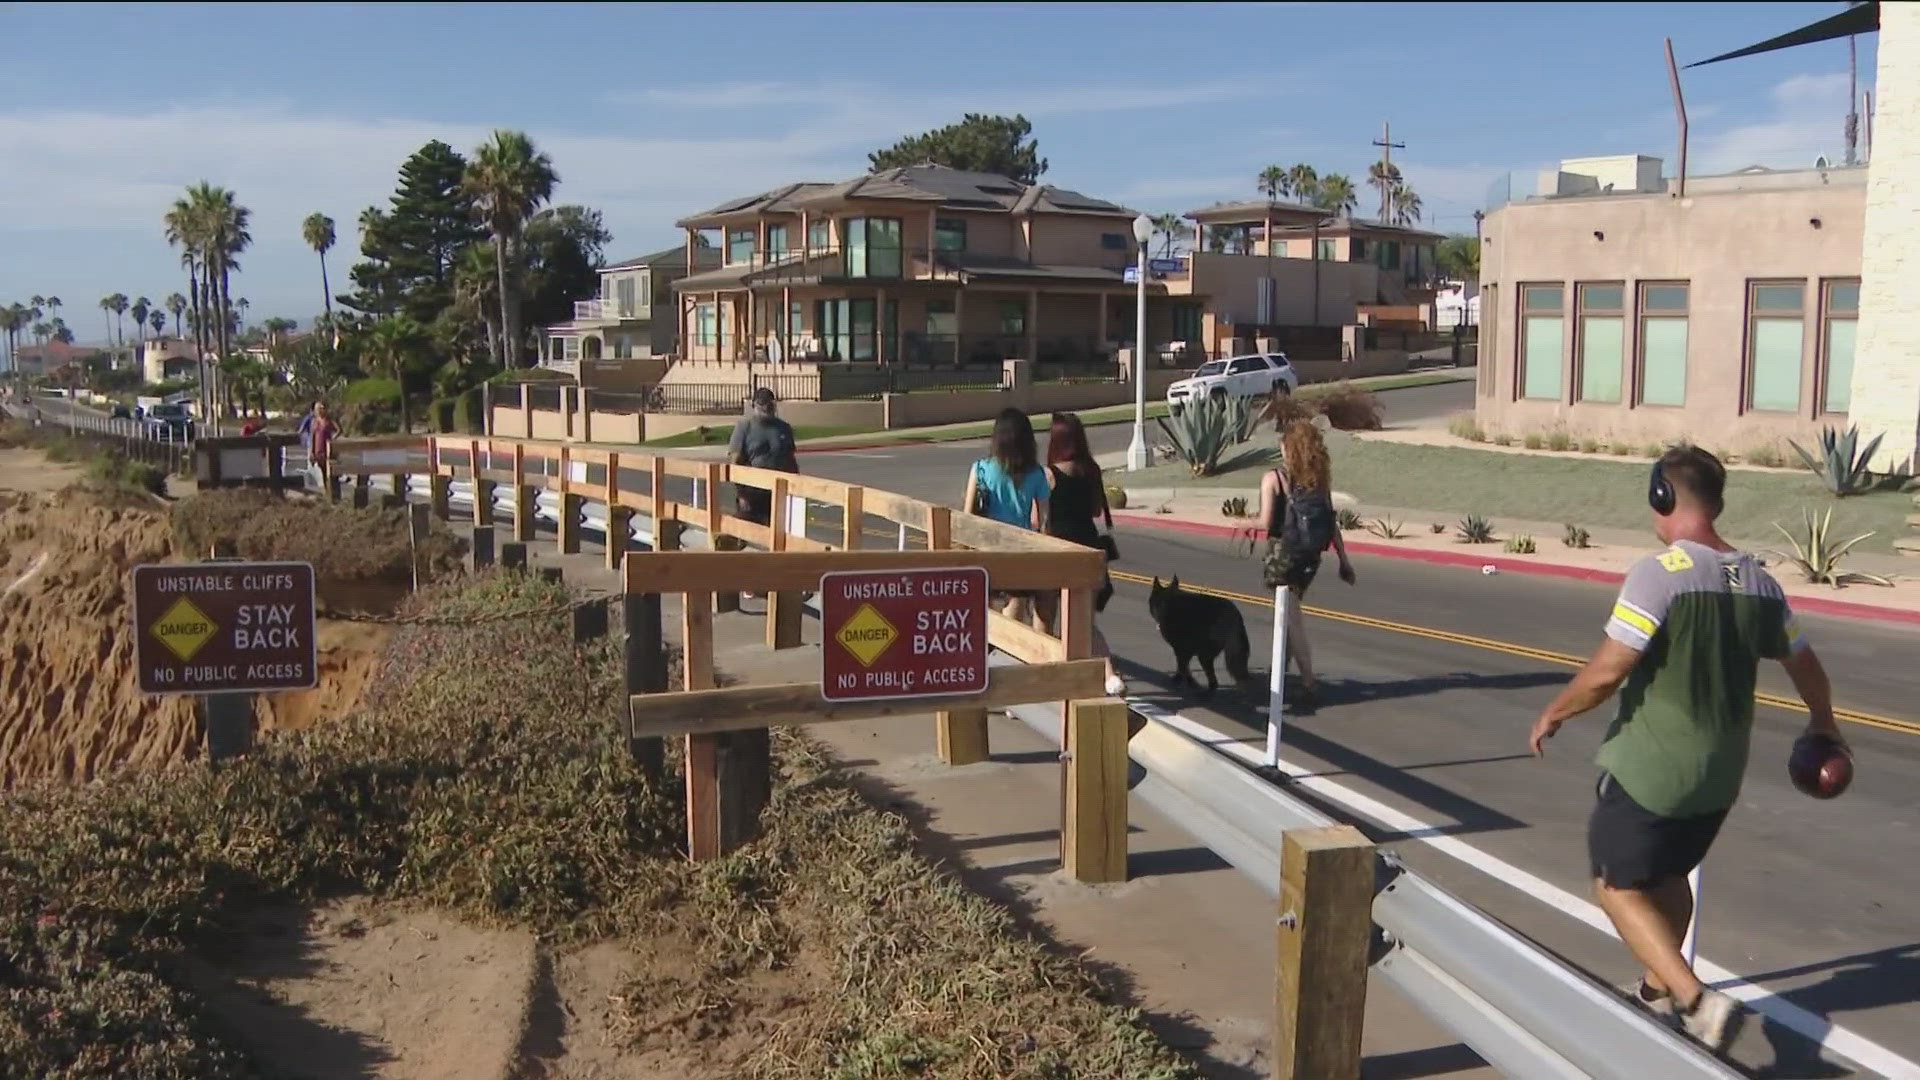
<point x="753" y="504"/>
<point x="1631" y="847"/>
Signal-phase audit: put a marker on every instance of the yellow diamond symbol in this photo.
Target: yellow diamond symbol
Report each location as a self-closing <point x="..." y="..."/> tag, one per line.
<point x="183" y="629"/>
<point x="866" y="634"/>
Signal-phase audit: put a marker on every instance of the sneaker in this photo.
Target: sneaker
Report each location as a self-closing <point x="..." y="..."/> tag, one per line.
<point x="1116" y="686"/>
<point x="1638" y="993"/>
<point x="1713" y="1021"/>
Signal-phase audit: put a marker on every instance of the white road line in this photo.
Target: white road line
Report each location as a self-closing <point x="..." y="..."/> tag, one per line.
<point x="1858" y="1049"/>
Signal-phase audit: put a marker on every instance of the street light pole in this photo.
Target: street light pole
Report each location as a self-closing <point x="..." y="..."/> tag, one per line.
<point x="1137" y="449"/>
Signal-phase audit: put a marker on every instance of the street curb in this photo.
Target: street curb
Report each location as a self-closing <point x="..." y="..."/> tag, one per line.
<point x="1809" y="604"/>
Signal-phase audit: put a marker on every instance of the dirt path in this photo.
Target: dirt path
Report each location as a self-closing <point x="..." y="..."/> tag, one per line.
<point x="26" y="469"/>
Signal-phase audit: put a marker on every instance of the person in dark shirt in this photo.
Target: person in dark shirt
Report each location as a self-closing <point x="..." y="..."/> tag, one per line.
<point x="764" y="441"/>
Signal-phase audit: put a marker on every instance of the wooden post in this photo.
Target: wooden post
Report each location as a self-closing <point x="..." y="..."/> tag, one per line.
<point x="724" y="602"/>
<point x="702" y="751"/>
<point x="645" y="656"/>
<point x="852" y="518"/>
<point x="716" y="524"/>
<point x="1095" y="828"/>
<point x="783" y="608"/>
<point x="526" y="500"/>
<point x="439" y="493"/>
<point x="417" y="526"/>
<point x="482" y="548"/>
<point x="1326" y="921"/>
<point x="482" y="487"/>
<point x="513" y="555"/>
<point x="959" y="734"/>
<point x="1075" y="627"/>
<point x="619" y="518"/>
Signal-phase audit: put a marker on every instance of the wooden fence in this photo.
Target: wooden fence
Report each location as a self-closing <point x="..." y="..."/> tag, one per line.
<point x="708" y="555"/>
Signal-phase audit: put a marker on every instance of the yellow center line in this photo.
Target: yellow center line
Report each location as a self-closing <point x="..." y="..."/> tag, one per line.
<point x="1887" y="723"/>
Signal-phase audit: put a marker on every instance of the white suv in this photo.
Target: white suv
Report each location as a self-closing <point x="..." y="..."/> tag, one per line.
<point x="1248" y="376"/>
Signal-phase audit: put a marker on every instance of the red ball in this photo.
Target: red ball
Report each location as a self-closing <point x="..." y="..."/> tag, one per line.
<point x="1820" y="766"/>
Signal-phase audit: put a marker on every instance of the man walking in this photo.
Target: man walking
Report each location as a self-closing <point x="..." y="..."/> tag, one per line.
<point x="764" y="441"/>
<point x="1686" y="636"/>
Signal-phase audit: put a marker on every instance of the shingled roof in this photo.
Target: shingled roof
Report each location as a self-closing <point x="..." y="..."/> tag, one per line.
<point x="935" y="185"/>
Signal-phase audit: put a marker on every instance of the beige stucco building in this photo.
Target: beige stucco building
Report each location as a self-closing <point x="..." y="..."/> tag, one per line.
<point x="632" y="318"/>
<point x="1887" y="371"/>
<point x="1615" y="308"/>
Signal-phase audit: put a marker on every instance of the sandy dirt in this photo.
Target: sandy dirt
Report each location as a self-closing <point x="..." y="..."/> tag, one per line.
<point x="24" y="469"/>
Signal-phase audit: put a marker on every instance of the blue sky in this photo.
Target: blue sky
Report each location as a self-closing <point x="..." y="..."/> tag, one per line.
<point x="654" y="111"/>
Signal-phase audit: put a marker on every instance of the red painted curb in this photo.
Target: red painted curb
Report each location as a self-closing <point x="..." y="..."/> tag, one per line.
<point x="1811" y="604"/>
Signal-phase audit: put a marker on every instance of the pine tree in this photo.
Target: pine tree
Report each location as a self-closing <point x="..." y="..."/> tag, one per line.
<point x="410" y="249"/>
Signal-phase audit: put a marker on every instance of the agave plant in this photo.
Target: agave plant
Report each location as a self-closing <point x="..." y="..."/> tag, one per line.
<point x="1348" y="519"/>
<point x="1576" y="537"/>
<point x="1520" y="545"/>
<point x="1474" y="529"/>
<point x="1843" y="471"/>
<point x="1234" y="507"/>
<point x="1204" y="430"/>
<point x="1818" y="557"/>
<point x="1386" y="528"/>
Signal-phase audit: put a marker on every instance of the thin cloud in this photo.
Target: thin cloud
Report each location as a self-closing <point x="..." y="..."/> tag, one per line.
<point x="1806" y="119"/>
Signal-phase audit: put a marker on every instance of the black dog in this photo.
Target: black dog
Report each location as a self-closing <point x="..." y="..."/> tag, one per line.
<point x="1200" y="627"/>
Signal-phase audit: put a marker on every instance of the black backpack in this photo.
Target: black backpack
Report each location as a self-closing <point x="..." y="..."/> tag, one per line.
<point x="1310" y="522"/>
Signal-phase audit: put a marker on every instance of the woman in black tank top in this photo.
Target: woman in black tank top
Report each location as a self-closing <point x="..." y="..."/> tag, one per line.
<point x="1079" y="498"/>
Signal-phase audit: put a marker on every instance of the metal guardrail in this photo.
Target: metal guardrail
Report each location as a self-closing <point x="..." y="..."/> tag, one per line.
<point x="1523" y="1010"/>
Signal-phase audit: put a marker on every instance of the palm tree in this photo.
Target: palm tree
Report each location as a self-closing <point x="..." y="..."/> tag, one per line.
<point x="216" y="226"/>
<point x="1384" y="176"/>
<point x="106" y="312"/>
<point x="508" y="180"/>
<point x="139" y="310"/>
<point x="1404" y="204"/>
<point x="158" y="319"/>
<point x="318" y="232"/>
<point x="476" y="289"/>
<point x="240" y="308"/>
<point x="53" y="305"/>
<point x="1272" y="182"/>
<point x="176" y="304"/>
<point x="11" y="318"/>
<point x="1171" y="227"/>
<point x="392" y="344"/>
<point x="185" y="231"/>
<point x="1304" y="182"/>
<point x="1336" y="195"/>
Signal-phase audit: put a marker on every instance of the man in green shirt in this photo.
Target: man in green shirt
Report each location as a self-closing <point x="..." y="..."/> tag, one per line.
<point x="1685" y="638"/>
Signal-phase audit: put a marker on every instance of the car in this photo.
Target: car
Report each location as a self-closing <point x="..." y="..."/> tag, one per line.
<point x="169" y="423"/>
<point x="1252" y="375"/>
<point x="120" y="412"/>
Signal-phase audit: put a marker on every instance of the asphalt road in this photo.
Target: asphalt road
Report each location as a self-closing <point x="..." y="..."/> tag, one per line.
<point x="1811" y="900"/>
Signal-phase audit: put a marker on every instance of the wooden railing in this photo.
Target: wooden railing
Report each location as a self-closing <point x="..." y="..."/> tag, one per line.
<point x="681" y="501"/>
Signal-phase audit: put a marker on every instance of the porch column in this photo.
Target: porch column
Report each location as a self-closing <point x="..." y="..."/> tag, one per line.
<point x="933" y="231"/>
<point x="1033" y="326"/>
<point x="959" y="322"/>
<point x="879" y="324"/>
<point x="1100" y="334"/>
<point x="786" y="321"/>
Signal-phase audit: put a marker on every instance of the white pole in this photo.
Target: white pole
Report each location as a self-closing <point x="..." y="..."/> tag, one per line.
<point x="1277" y="680"/>
<point x="1690" y="944"/>
<point x="1137" y="449"/>
<point x="903" y="536"/>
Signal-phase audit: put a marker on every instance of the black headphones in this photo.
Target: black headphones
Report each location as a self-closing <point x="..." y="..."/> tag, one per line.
<point x="1660" y="494"/>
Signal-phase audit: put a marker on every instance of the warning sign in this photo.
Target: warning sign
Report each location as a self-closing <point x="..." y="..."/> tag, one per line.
<point x="903" y="633"/>
<point x="224" y="627"/>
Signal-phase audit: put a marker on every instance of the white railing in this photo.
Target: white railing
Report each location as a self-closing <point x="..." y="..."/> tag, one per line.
<point x="584" y="310"/>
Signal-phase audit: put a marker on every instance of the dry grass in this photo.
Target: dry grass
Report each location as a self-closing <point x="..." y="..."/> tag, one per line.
<point x="504" y="792"/>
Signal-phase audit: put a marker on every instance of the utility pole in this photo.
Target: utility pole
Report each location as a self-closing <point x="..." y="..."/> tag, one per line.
<point x="1387" y="147"/>
<point x="1853" y="102"/>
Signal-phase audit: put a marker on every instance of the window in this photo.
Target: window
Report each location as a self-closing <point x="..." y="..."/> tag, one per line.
<point x="1602" y="330"/>
<point x="776" y="242"/>
<point x="1186" y="321"/>
<point x="819" y="235"/>
<point x="1840" y="317"/>
<point x="1542" y="340"/>
<point x="1357" y="250"/>
<point x="949" y="234"/>
<point x="739" y="246"/>
<point x="705" y="325"/>
<point x="622" y="347"/>
<point x="1390" y="254"/>
<point x="623" y="297"/>
<point x="1663" y="343"/>
<point x="873" y="247"/>
<point x="1113" y="241"/>
<point x="1323" y="249"/>
<point x="1776" y="336"/>
<point x="941" y="321"/>
<point x="1013" y="317"/>
<point x="846" y="328"/>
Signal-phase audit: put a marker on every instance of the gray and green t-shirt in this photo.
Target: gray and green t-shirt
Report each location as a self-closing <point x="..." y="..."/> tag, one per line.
<point x="1702" y="620"/>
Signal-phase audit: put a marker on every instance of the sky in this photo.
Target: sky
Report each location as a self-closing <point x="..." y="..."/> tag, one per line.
<point x="653" y="112"/>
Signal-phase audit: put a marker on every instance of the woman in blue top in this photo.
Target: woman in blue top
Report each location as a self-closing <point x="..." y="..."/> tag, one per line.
<point x="1010" y="486"/>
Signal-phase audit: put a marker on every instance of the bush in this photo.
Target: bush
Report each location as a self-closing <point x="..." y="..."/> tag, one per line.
<point x="1652" y="450"/>
<point x="1116" y="497"/>
<point x="1284" y="409"/>
<point x="343" y="544"/>
<point x="1559" y="441"/>
<point x="1437" y="528"/>
<point x="1474" y="529"/>
<point x="1386" y="528"/>
<point x="1463" y="426"/>
<point x="1576" y="537"/>
<point x="1503" y="440"/>
<point x="1589" y="446"/>
<point x="1520" y="545"/>
<point x="1234" y="507"/>
<point x="370" y="407"/>
<point x="1349" y="408"/>
<point x="1534" y="441"/>
<point x="1621" y="449"/>
<point x="1766" y="455"/>
<point x="114" y="468"/>
<point x="1348" y="520"/>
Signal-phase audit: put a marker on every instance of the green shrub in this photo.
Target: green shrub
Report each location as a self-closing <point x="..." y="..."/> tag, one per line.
<point x="1234" y="507"/>
<point x="1534" y="441"/>
<point x="1503" y="439"/>
<point x="1348" y="520"/>
<point x="1474" y="529"/>
<point x="1842" y="464"/>
<point x="1437" y="528"/>
<point x="1652" y="450"/>
<point x="1620" y="449"/>
<point x="370" y="407"/>
<point x="1116" y="497"/>
<point x="1559" y="440"/>
<point x="1589" y="446"/>
<point x="1386" y="528"/>
<point x="1766" y="455"/>
<point x="113" y="468"/>
<point x="1576" y="537"/>
<point x="1520" y="545"/>
<point x="343" y="544"/>
<point x="1463" y="426"/>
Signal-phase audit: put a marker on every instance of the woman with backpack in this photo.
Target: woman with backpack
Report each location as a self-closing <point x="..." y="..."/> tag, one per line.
<point x="1296" y="509"/>
<point x="1079" y="498"/>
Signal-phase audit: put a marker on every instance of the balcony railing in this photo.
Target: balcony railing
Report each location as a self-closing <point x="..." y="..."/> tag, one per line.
<point x="830" y="261"/>
<point x="588" y="310"/>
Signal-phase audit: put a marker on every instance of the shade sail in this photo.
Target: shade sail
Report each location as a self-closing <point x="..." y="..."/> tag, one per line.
<point x="1859" y="19"/>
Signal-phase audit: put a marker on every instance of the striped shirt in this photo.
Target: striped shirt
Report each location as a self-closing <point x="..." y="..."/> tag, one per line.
<point x="1702" y="621"/>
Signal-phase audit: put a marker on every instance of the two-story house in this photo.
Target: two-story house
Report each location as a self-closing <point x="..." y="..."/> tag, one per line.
<point x="924" y="264"/>
<point x="632" y="317"/>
